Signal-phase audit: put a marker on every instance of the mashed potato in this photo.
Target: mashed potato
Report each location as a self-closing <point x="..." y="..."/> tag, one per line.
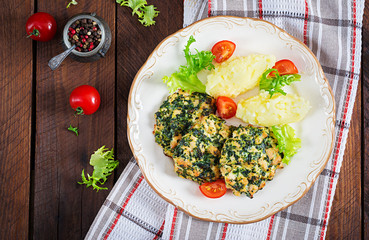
<point x="238" y="75"/>
<point x="278" y="110"/>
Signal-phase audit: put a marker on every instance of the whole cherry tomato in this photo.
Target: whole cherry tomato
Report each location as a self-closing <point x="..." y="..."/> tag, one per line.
<point x="284" y="67"/>
<point x="213" y="189"/>
<point x="223" y="50"/>
<point x="226" y="107"/>
<point x="85" y="100"/>
<point x="41" y="26"/>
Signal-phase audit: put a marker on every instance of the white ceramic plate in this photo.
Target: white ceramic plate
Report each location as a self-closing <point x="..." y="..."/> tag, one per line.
<point x="316" y="130"/>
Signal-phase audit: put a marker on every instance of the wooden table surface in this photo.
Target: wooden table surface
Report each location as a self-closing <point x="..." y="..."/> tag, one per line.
<point x="41" y="162"/>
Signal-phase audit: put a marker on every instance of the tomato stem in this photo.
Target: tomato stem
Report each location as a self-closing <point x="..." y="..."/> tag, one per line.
<point x="79" y="111"/>
<point x="35" y="32"/>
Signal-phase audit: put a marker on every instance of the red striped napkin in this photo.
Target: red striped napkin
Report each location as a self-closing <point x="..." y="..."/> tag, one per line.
<point x="332" y="30"/>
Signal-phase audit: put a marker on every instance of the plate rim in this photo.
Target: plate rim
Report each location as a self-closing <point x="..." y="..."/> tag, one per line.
<point x="273" y="211"/>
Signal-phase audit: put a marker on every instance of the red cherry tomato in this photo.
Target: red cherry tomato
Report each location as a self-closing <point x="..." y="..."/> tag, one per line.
<point x="223" y="50"/>
<point x="213" y="189"/>
<point x="284" y="67"/>
<point x="226" y="107"/>
<point x="41" y="27"/>
<point x="85" y="100"/>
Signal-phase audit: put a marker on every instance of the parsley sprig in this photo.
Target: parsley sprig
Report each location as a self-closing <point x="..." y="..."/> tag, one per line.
<point x="274" y="84"/>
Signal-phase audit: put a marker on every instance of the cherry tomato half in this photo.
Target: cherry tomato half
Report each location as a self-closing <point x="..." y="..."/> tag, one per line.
<point x="284" y="67"/>
<point x="213" y="189"/>
<point x="41" y="26"/>
<point x="223" y="50"/>
<point x="226" y="107"/>
<point x="85" y="100"/>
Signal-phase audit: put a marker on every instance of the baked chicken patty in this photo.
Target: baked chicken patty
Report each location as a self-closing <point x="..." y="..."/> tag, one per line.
<point x="248" y="159"/>
<point x="196" y="156"/>
<point x="176" y="116"/>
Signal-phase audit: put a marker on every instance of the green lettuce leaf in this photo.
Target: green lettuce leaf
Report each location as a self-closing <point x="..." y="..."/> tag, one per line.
<point x="149" y="13"/>
<point x="146" y="13"/>
<point x="104" y="164"/>
<point x="186" y="76"/>
<point x="288" y="144"/>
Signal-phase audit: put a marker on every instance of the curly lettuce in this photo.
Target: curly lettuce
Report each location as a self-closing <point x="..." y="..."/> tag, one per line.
<point x="104" y="164"/>
<point x="146" y="13"/>
<point x="288" y="143"/>
<point x="186" y="77"/>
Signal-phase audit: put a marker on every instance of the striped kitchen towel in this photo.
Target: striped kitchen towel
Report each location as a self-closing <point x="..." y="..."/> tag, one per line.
<point x="131" y="211"/>
<point x="332" y="30"/>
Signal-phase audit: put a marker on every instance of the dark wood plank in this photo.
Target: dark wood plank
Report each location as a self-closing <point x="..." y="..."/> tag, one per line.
<point x="345" y="219"/>
<point x="64" y="209"/>
<point x="15" y="118"/>
<point x="134" y="44"/>
<point x="102" y="128"/>
<point x="365" y="99"/>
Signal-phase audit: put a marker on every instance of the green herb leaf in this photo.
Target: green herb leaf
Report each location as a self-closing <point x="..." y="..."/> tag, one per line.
<point x="73" y="129"/>
<point x="150" y="12"/>
<point x="73" y="2"/>
<point x="104" y="164"/>
<point x="135" y="5"/>
<point x="274" y="84"/>
<point x="146" y="13"/>
<point x="288" y="144"/>
<point x="186" y="77"/>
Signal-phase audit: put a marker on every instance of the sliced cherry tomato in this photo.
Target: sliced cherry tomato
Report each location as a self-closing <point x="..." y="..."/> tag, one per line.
<point x="85" y="100"/>
<point x="226" y="107"/>
<point x="41" y="26"/>
<point x="223" y="50"/>
<point x="284" y="67"/>
<point x="213" y="189"/>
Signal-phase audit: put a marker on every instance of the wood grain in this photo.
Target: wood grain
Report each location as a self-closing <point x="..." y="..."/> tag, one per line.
<point x="365" y="99"/>
<point x="134" y="44"/>
<point x="15" y="118"/>
<point x="64" y="209"/>
<point x="345" y="219"/>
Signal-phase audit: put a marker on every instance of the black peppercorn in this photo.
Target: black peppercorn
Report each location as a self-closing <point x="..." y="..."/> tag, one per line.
<point x="85" y="34"/>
